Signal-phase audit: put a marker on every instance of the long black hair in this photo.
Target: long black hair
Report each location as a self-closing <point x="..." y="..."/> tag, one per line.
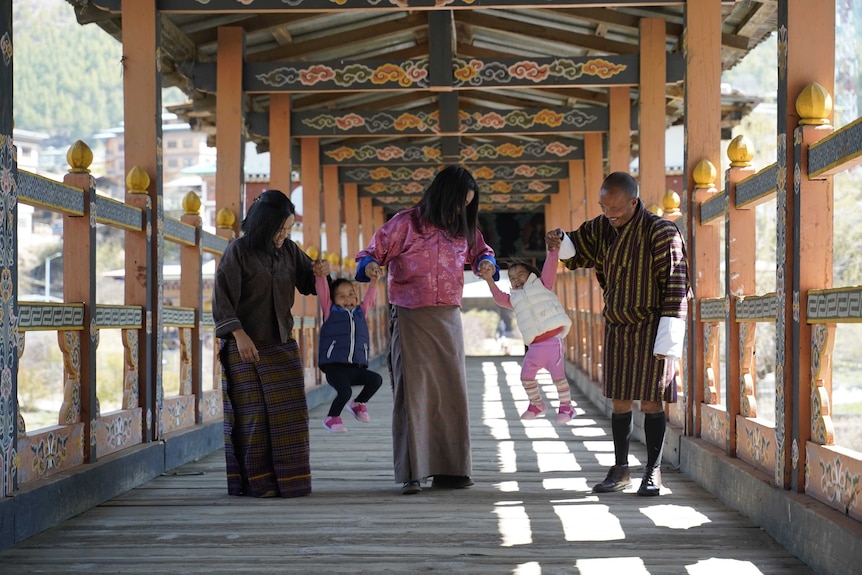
<point x="443" y="203"/>
<point x="265" y="218"/>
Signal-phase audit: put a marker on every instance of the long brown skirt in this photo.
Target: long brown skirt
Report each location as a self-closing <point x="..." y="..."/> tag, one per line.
<point x="265" y="422"/>
<point x="430" y="420"/>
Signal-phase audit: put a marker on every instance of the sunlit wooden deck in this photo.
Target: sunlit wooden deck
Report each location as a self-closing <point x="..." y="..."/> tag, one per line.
<point x="530" y="512"/>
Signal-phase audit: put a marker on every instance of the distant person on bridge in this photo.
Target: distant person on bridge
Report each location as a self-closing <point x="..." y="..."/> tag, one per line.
<point x="640" y="263"/>
<point x="543" y="323"/>
<point x="426" y="248"/>
<point x="343" y="346"/>
<point x="266" y="415"/>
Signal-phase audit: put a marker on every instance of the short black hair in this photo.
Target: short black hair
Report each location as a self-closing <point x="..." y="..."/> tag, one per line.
<point x="529" y="266"/>
<point x="621" y="182"/>
<point x="335" y="284"/>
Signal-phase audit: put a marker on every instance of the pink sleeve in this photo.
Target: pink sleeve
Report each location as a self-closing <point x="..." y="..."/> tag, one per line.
<point x="368" y="300"/>
<point x="322" y="288"/>
<point x="549" y="270"/>
<point x="501" y="297"/>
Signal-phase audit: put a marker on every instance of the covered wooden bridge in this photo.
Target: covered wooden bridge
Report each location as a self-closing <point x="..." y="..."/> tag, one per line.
<point x="362" y="101"/>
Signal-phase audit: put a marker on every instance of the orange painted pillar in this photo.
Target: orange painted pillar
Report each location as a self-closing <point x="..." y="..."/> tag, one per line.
<point x="805" y="259"/>
<point x="593" y="177"/>
<point x="280" y="162"/>
<point x="577" y="215"/>
<point x="332" y="211"/>
<point x="620" y="133"/>
<point x="142" y="104"/>
<point x="79" y="285"/>
<point x="230" y="121"/>
<point x="652" y="110"/>
<point x="703" y="142"/>
<point x="350" y="209"/>
<point x="191" y="295"/>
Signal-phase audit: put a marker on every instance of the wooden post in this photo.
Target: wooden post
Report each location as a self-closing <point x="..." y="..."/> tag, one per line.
<point x="593" y="177"/>
<point x="144" y="250"/>
<point x="350" y="208"/>
<point x="703" y="126"/>
<point x="801" y="62"/>
<point x="739" y="261"/>
<point x="230" y="122"/>
<point x="620" y="134"/>
<point x="280" y="164"/>
<point x="577" y="215"/>
<point x="79" y="285"/>
<point x="332" y="212"/>
<point x="652" y="111"/>
<point x="191" y="295"/>
<point x="9" y="267"/>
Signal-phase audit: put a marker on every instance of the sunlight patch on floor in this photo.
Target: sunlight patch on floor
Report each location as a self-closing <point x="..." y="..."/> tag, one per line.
<point x="507" y="486"/>
<point x="554" y="456"/>
<point x="499" y="428"/>
<point x="675" y="516"/>
<point x="589" y="432"/>
<point x="513" y="523"/>
<point x="506" y="457"/>
<point x="589" y="523"/>
<point x="716" y="566"/>
<point x="531" y="568"/>
<point x="604" y="566"/>
<point x="566" y="484"/>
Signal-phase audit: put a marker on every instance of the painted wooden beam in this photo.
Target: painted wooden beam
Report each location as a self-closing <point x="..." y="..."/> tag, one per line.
<point x="425" y="174"/>
<point x="529" y="187"/>
<point x="508" y="152"/>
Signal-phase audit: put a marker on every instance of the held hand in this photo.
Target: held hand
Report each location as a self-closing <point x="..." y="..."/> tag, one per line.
<point x="374" y="274"/>
<point x="373" y="271"/>
<point x="486" y="269"/>
<point x="554" y="238"/>
<point x="320" y="268"/>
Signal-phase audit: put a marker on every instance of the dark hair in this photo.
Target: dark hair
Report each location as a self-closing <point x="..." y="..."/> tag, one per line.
<point x="335" y="284"/>
<point x="265" y="218"/>
<point x="443" y="203"/>
<point x="621" y="182"/>
<point x="515" y="262"/>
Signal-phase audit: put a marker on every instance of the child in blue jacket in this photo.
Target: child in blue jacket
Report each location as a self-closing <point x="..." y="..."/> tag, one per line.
<point x="343" y="346"/>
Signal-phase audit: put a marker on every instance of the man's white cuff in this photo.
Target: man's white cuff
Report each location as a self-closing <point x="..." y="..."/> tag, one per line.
<point x="567" y="248"/>
<point x="670" y="337"/>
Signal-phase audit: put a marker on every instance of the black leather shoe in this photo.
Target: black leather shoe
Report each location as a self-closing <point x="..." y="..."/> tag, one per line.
<point x="451" y="481"/>
<point x="618" y="479"/>
<point x="411" y="488"/>
<point x="651" y="483"/>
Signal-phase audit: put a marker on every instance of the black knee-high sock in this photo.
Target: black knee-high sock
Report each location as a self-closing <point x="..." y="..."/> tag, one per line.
<point x="655" y="425"/>
<point x="621" y="428"/>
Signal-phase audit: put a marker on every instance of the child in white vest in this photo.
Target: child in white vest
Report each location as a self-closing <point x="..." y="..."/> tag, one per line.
<point x="543" y="323"/>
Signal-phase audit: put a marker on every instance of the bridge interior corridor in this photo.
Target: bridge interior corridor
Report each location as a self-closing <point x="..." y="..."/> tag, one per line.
<point x="530" y="512"/>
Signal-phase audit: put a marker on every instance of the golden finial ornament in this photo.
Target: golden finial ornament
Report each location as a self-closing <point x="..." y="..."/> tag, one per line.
<point x="225" y="219"/>
<point x="704" y="175"/>
<point x="670" y="202"/>
<point x="814" y="105"/>
<point x="655" y="209"/>
<point x="79" y="157"/>
<point x="191" y="204"/>
<point x="740" y="151"/>
<point x="137" y="181"/>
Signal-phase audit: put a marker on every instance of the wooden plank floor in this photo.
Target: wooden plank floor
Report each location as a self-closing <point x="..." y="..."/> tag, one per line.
<point x="530" y="513"/>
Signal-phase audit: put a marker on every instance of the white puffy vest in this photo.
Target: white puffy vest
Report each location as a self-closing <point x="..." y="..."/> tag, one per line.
<point x="538" y="310"/>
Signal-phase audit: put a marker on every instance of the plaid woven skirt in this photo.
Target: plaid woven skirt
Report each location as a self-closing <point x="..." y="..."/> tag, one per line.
<point x="265" y="422"/>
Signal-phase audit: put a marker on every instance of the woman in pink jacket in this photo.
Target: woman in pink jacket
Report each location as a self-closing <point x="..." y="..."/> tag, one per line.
<point x="426" y="249"/>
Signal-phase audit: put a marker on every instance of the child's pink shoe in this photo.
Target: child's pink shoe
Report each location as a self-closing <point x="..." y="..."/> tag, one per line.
<point x="334" y="424"/>
<point x="566" y="413"/>
<point x="359" y="411"/>
<point x="534" y="411"/>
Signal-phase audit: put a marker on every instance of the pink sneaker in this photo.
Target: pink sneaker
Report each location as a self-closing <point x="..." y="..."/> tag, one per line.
<point x="566" y="413"/>
<point x="334" y="424"/>
<point x="359" y="411"/>
<point x="534" y="411"/>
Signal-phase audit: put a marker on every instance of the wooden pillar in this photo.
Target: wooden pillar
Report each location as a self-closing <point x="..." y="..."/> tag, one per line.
<point x="350" y="209"/>
<point x="577" y="215"/>
<point x="309" y="175"/>
<point x="9" y="267"/>
<point x="230" y="123"/>
<point x="703" y="142"/>
<point x="593" y="177"/>
<point x="366" y="220"/>
<point x="332" y="210"/>
<point x="79" y="285"/>
<point x="739" y="280"/>
<point x="191" y="295"/>
<point x="142" y="93"/>
<point x="280" y="162"/>
<point x="620" y="133"/>
<point x="807" y="56"/>
<point x="652" y="113"/>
